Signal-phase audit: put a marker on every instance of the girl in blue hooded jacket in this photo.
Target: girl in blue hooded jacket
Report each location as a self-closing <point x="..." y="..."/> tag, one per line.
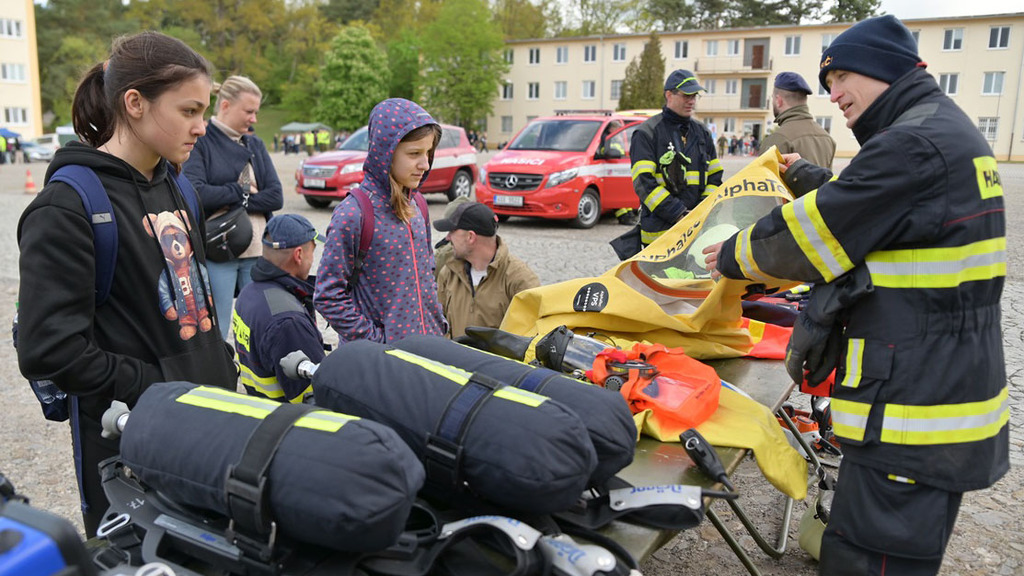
<point x="395" y="295"/>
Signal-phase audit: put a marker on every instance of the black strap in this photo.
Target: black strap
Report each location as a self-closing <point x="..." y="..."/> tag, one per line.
<point x="246" y="492"/>
<point x="443" y="458"/>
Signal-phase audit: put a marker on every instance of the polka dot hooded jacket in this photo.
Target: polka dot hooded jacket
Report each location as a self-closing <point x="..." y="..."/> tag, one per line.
<point x="396" y="294"/>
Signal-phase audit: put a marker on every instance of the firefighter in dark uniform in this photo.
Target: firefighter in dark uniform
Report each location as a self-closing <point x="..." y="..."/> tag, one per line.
<point x="920" y="402"/>
<point x="274" y="314"/>
<point x="674" y="161"/>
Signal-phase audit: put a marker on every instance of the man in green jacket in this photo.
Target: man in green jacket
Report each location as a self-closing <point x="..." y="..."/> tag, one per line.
<point x="797" y="131"/>
<point x="476" y="285"/>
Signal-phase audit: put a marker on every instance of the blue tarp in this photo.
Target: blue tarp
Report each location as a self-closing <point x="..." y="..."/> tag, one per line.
<point x="8" y="134"/>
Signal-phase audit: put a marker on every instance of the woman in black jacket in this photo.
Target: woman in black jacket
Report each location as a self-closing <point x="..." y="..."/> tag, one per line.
<point x="231" y="167"/>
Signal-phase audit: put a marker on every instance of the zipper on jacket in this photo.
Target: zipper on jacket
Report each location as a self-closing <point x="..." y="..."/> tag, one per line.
<point x="416" y="270"/>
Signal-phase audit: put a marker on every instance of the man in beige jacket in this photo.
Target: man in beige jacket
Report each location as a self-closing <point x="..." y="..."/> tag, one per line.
<point x="796" y="129"/>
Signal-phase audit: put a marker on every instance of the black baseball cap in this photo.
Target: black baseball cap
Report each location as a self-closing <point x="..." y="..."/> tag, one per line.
<point x="469" y="216"/>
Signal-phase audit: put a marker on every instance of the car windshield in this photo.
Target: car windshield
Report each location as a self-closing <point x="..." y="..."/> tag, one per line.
<point x="357" y="141"/>
<point x="562" y="135"/>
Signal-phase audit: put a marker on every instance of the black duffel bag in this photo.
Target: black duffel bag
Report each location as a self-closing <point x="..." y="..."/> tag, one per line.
<point x="604" y="412"/>
<point x="483" y="444"/>
<point x="335" y="480"/>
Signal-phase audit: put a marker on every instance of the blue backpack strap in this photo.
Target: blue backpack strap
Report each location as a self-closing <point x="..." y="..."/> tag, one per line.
<point x="365" y="234"/>
<point x="100" y="214"/>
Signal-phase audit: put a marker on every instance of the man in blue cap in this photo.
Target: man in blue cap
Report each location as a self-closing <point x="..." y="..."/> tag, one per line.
<point x="677" y="150"/>
<point x="908" y="247"/>
<point x="274" y="314"/>
<point x="796" y="130"/>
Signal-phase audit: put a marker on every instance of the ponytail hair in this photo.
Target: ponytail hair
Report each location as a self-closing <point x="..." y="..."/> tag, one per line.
<point x="400" y="202"/>
<point x="233" y="87"/>
<point x="149" y="62"/>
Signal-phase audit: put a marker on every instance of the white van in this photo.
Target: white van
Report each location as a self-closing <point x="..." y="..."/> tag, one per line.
<point x="48" y="141"/>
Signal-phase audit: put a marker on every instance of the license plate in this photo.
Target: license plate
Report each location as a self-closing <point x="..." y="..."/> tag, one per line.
<point x="508" y="201"/>
<point x="315" y="183"/>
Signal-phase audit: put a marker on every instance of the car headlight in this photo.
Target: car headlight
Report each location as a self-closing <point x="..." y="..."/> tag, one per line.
<point x="562" y="177"/>
<point x="350" y="168"/>
<point x="483" y="175"/>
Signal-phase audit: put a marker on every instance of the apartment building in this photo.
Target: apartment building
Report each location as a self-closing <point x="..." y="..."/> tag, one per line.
<point x="977" y="60"/>
<point x="20" y="105"/>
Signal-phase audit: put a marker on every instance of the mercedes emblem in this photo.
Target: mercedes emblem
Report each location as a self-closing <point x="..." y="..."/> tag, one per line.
<point x="511" y="182"/>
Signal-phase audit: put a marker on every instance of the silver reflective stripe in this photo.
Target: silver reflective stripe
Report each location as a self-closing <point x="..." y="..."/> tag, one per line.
<point x="803" y="218"/>
<point x="936" y="267"/>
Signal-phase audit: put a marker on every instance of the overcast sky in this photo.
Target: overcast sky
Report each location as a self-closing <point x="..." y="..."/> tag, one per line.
<point x="936" y="8"/>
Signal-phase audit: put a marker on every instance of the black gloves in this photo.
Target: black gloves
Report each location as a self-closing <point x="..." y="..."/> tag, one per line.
<point x="817" y="338"/>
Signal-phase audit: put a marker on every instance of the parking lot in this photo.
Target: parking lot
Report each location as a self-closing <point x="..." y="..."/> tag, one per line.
<point x="35" y="454"/>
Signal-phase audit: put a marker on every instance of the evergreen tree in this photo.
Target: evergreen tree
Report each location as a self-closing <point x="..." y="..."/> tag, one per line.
<point x="853" y="10"/>
<point x="643" y="86"/>
<point x="353" y="79"/>
<point x="462" y="62"/>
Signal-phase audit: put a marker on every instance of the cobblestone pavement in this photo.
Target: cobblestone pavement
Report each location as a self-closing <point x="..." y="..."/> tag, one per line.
<point x="35" y="454"/>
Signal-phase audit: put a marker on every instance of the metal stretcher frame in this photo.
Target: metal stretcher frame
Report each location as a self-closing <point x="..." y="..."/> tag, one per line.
<point x="767" y="382"/>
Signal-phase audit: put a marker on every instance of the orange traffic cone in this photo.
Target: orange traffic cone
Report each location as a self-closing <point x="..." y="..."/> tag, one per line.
<point x="30" y="186"/>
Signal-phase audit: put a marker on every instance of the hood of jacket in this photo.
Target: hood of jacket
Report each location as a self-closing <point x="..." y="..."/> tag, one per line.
<point x="390" y="121"/>
<point x="904" y="93"/>
<point x="104" y="165"/>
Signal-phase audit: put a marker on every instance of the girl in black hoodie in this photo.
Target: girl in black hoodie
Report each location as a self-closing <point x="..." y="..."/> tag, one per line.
<point x="139" y="115"/>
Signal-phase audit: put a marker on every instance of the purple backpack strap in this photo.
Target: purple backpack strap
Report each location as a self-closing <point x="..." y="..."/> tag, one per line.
<point x="365" y="235"/>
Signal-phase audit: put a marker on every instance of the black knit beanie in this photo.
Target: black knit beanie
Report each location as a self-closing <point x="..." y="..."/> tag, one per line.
<point x="881" y="48"/>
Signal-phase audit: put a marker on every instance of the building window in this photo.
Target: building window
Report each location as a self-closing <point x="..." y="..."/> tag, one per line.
<point x="562" y="55"/>
<point x="712" y="47"/>
<point x="16" y="115"/>
<point x="826" y="40"/>
<point x="732" y="47"/>
<point x="506" y="91"/>
<point x="561" y="89"/>
<point x="12" y="72"/>
<point x="616" y="90"/>
<point x="534" y="55"/>
<point x="682" y="49"/>
<point x="993" y="83"/>
<point x="728" y="125"/>
<point x="506" y="124"/>
<point x="917" y="37"/>
<point x="709" y="85"/>
<point x="949" y="83"/>
<point x="732" y="87"/>
<point x="619" y="53"/>
<point x="10" y="28"/>
<point x="590" y="53"/>
<point x="792" y="45"/>
<point x="988" y="127"/>
<point x="510" y="56"/>
<point x="953" y="39"/>
<point x="589" y="88"/>
<point x="999" y="37"/>
<point x="533" y="90"/>
<point x="825" y="122"/>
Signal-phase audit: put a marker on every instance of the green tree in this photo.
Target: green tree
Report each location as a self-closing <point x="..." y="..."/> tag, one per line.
<point x="598" y="16"/>
<point x="404" y="58"/>
<point x="462" y="62"/>
<point x="353" y="79"/>
<point x="853" y="10"/>
<point x="643" y="86"/>
<point x="522" y="19"/>
<point x="768" y="12"/>
<point x="346" y="11"/>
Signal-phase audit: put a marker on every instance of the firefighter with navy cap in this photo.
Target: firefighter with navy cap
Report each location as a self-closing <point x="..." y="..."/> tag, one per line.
<point x="674" y="161"/>
<point x="908" y="244"/>
<point x="796" y="130"/>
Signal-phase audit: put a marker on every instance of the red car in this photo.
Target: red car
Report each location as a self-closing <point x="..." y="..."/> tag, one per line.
<point x="326" y="177"/>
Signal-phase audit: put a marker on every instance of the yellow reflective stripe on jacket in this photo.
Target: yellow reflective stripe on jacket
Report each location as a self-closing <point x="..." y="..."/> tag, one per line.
<point x="660" y="179"/>
<point x="814" y="238"/>
<point x="649" y="237"/>
<point x="709" y="190"/>
<point x="655" y="198"/>
<point x="461" y="377"/>
<point x="714" y="166"/>
<point x="902" y="479"/>
<point x="266" y="385"/>
<point x="850" y="419"/>
<point x="854" y="362"/>
<point x="643" y="167"/>
<point x="945" y="423"/>
<point x="745" y="258"/>
<point x="692" y="177"/>
<point x="259" y="408"/>
<point x="240" y="330"/>
<point x="938" y="267"/>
